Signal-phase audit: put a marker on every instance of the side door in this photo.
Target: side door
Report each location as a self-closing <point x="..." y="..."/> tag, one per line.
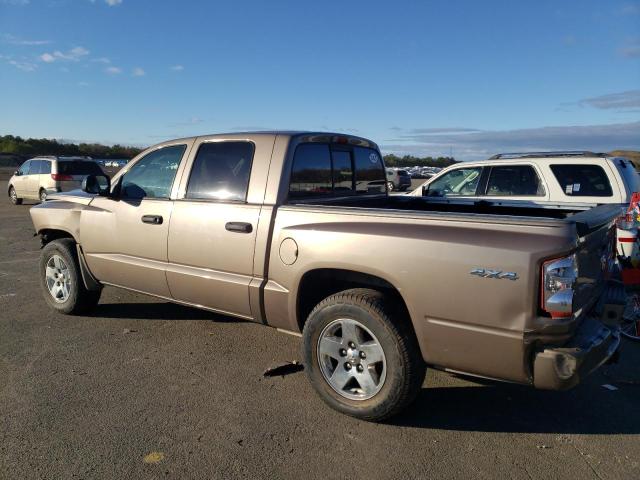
<point x="124" y="238"/>
<point x="521" y="182"/>
<point x="21" y="180"/>
<point x="33" y="178"/>
<point x="212" y="236"/>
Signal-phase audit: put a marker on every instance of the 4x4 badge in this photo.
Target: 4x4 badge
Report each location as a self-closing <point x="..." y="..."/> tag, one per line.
<point x="486" y="273"/>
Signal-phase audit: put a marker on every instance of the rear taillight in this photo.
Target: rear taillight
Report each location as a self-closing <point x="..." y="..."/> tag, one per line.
<point x="60" y="177"/>
<point x="558" y="280"/>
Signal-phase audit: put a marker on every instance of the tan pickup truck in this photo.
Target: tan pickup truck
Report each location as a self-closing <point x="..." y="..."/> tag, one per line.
<point x="296" y="230"/>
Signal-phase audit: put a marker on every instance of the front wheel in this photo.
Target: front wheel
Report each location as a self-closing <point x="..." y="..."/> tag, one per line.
<point x="43" y="195"/>
<point x="390" y="186"/>
<point x="61" y="279"/>
<point x="13" y="196"/>
<point x="361" y="355"/>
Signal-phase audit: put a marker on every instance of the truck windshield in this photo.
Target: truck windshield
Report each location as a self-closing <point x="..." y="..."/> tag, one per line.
<point x="336" y="170"/>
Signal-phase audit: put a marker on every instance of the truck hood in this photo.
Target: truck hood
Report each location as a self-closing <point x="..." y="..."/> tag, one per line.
<point x="73" y="196"/>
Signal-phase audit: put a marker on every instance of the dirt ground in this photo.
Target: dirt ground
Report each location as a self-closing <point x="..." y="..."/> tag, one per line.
<point x="148" y="389"/>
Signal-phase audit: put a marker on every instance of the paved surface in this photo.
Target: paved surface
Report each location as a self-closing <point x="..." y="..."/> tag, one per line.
<point x="183" y="390"/>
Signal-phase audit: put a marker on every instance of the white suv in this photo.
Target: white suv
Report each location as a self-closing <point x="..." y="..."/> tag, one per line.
<point x="539" y="178"/>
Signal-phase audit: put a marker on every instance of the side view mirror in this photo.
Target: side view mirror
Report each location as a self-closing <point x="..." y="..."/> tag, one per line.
<point x="17" y="173"/>
<point x="97" y="185"/>
<point x="425" y="190"/>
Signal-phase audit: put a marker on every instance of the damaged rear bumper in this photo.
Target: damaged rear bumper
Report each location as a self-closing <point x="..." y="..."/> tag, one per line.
<point x="595" y="342"/>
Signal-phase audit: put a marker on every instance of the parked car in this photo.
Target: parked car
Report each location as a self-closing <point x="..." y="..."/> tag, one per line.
<point x="540" y="178"/>
<point x="579" y="179"/>
<point x="297" y="231"/>
<point x="41" y="176"/>
<point x="398" y="180"/>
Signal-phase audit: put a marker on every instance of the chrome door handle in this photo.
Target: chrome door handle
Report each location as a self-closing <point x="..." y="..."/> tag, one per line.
<point x="239" y="227"/>
<point x="152" y="219"/>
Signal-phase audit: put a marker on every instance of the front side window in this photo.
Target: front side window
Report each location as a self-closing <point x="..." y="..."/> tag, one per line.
<point x="152" y="176"/>
<point x="582" y="180"/>
<point x="24" y="168"/>
<point x="458" y="182"/>
<point x="45" y="167"/>
<point x="221" y="171"/>
<point x="514" y="180"/>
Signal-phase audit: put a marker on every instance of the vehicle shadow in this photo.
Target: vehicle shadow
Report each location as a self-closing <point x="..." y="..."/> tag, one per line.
<point x="498" y="407"/>
<point x="159" y="311"/>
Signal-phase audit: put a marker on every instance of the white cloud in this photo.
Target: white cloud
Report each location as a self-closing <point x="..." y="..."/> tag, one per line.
<point x="83" y="84"/>
<point x="177" y="68"/>
<point x="138" y="72"/>
<point x="113" y="70"/>
<point x="73" y="55"/>
<point x="113" y="3"/>
<point x="614" y="101"/>
<point x="24" y="66"/>
<point x="47" y="57"/>
<point x="630" y="9"/>
<point x="14" y="2"/>
<point x="482" y="144"/>
<point x="104" y="60"/>
<point x="13" y="40"/>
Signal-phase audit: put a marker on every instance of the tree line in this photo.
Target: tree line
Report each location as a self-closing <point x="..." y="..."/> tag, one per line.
<point x="411" y="161"/>
<point x="28" y="147"/>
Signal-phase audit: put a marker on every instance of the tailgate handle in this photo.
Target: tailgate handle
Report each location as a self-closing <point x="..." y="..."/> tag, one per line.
<point x="239" y="227"/>
<point x="152" y="219"/>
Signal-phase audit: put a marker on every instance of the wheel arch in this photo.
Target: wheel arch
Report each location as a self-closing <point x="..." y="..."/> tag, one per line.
<point x="317" y="284"/>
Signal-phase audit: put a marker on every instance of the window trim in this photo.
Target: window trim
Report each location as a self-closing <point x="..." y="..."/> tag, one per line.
<point x="184" y="197"/>
<point x="489" y="168"/>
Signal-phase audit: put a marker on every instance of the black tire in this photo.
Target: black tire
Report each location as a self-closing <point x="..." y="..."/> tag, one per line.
<point x="80" y="300"/>
<point x="43" y="195"/>
<point x="14" y="197"/>
<point x="405" y="368"/>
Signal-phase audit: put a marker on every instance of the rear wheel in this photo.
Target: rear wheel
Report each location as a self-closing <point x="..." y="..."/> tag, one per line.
<point x="61" y="279"/>
<point x="390" y="186"/>
<point x="43" y="195"/>
<point x="13" y="196"/>
<point x="361" y="355"/>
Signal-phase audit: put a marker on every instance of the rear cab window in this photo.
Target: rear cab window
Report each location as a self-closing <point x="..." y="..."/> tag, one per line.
<point x="582" y="180"/>
<point x="321" y="170"/>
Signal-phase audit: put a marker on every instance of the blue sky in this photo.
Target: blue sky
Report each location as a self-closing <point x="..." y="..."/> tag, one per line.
<point x="421" y="77"/>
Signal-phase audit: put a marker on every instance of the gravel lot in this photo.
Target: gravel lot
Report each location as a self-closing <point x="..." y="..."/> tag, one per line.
<point x="147" y="389"/>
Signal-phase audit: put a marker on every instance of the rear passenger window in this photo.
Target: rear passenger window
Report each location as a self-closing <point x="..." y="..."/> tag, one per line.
<point x="311" y="174"/>
<point x="582" y="180"/>
<point x="221" y="171"/>
<point x="514" y="180"/>
<point x="79" y="167"/>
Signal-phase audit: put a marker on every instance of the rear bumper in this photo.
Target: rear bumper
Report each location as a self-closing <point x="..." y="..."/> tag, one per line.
<point x="594" y="343"/>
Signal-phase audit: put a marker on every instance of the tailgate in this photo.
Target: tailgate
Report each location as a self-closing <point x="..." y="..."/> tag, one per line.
<point x="595" y="253"/>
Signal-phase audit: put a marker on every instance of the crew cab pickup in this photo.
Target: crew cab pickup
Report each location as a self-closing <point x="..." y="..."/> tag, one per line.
<point x="296" y="230"/>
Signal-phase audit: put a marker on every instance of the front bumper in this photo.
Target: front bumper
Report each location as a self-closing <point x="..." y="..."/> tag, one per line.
<point x="595" y="342"/>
